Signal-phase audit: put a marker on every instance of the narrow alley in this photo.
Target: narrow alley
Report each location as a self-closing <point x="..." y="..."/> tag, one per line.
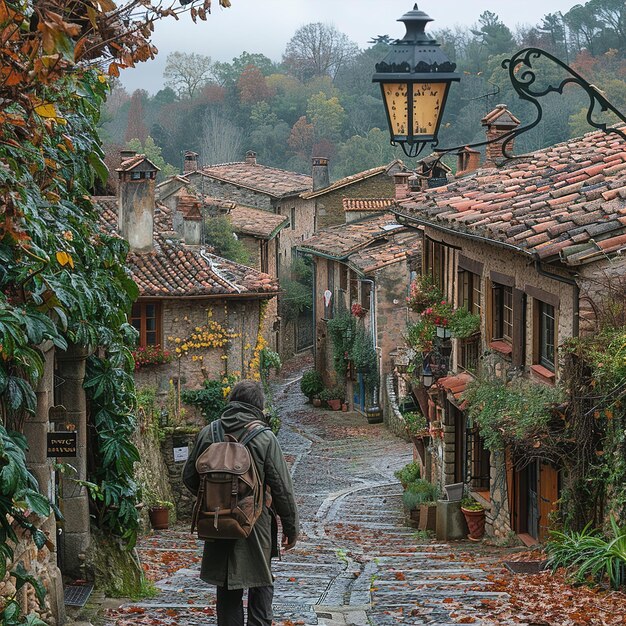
<point x="356" y="561"/>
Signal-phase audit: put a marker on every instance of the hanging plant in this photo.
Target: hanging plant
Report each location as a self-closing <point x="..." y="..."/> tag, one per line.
<point x="464" y="324"/>
<point x="423" y="293"/>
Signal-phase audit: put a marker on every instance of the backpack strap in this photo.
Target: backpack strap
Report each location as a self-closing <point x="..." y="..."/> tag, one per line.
<point x="252" y="430"/>
<point x="217" y="431"/>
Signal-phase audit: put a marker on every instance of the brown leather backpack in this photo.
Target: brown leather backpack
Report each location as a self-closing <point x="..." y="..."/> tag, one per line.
<point x="230" y="496"/>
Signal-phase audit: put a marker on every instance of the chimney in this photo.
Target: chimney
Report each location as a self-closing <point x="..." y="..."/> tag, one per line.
<point x="188" y="221"/>
<point x="190" y="162"/>
<point x="319" y="172"/>
<point x="136" y="200"/>
<point x="251" y="157"/>
<point x="497" y="123"/>
<point x="401" y="184"/>
<point x="468" y="160"/>
<point x="127" y="154"/>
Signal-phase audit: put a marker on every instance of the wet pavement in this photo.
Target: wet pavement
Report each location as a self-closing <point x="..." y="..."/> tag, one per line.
<point x="356" y="561"/>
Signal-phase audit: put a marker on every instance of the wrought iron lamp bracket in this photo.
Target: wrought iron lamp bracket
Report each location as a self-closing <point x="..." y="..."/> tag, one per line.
<point x="523" y="77"/>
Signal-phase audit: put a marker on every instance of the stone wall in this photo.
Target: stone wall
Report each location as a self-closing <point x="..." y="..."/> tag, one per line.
<point x="180" y="318"/>
<point x="391" y="412"/>
<point x="329" y="206"/>
<point x="498" y="517"/>
<point x="182" y="497"/>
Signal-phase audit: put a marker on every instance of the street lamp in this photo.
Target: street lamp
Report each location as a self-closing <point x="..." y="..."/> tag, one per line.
<point x="416" y="75"/>
<point x="414" y="80"/>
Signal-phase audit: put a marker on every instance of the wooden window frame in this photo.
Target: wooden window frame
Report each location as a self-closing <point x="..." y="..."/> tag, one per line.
<point x="502" y="322"/>
<point x="292" y="217"/>
<point x="264" y="256"/>
<point x="470" y="293"/>
<point x="540" y="314"/>
<point x="142" y="319"/>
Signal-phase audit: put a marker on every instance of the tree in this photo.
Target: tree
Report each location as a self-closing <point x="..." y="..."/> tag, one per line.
<point x="301" y="138"/>
<point x="326" y="115"/>
<point x="153" y="152"/>
<point x="221" y="138"/>
<point x="493" y="34"/>
<point x="362" y="153"/>
<point x="186" y="73"/>
<point x="225" y="73"/>
<point x="318" y="50"/>
<point x="252" y="86"/>
<point x="135" y="126"/>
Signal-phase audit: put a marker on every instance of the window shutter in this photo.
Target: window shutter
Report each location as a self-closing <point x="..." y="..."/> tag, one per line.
<point x="519" y="328"/>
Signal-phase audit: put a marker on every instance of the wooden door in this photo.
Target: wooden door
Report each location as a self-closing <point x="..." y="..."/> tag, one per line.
<point x="548" y="495"/>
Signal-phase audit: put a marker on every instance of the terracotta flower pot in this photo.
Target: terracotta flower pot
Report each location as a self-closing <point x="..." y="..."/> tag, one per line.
<point x="335" y="405"/>
<point x="344" y="407"/>
<point x="159" y="518"/>
<point x="475" y="523"/>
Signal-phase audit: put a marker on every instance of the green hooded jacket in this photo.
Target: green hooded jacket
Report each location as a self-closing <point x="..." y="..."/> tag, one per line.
<point x="245" y="563"/>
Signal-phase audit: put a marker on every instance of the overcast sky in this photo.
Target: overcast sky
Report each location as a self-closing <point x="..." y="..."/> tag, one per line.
<point x="266" y="26"/>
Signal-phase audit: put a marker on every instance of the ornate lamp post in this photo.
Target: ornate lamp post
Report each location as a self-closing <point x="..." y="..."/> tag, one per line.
<point x="414" y="79"/>
<point x="416" y="75"/>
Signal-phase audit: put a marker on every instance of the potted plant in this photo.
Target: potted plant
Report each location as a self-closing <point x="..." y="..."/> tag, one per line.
<point x="408" y="474"/>
<point x="420" y="499"/>
<point x="474" y="514"/>
<point x="311" y="384"/>
<point x="158" y="511"/>
<point x="464" y="324"/>
<point x="333" y="397"/>
<point x="423" y="293"/>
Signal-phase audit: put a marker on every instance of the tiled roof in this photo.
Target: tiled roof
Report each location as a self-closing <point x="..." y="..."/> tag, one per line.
<point x="134" y="161"/>
<point x="367" y="204"/>
<point x="455" y="387"/>
<point x="565" y="202"/>
<point x="268" y="180"/>
<point x="340" y="241"/>
<point x="394" y="250"/>
<point x="173" y="269"/>
<point x="349" y="180"/>
<point x="256" y="222"/>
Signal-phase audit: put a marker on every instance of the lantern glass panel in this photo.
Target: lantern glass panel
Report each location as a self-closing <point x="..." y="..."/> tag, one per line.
<point x="397" y="106"/>
<point x="428" y="99"/>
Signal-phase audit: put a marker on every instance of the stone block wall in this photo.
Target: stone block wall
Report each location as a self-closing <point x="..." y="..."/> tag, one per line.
<point x="498" y="517"/>
<point x="182" y="497"/>
<point x="391" y="413"/>
<point x="329" y="206"/>
<point x="228" y="191"/>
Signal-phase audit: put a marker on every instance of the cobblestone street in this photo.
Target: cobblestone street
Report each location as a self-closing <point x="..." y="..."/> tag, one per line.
<point x="356" y="561"/>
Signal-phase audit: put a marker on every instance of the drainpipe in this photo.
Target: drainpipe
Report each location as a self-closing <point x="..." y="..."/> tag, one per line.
<point x="567" y="281"/>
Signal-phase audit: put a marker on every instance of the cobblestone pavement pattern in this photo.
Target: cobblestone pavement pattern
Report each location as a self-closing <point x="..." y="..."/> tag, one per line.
<point x="356" y="561"/>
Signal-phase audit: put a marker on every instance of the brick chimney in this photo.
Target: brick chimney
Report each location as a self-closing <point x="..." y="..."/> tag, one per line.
<point x="190" y="162"/>
<point x="251" y="157"/>
<point x="468" y="160"/>
<point x="401" y="184"/>
<point x="136" y="200"/>
<point x="319" y="172"/>
<point x="497" y="123"/>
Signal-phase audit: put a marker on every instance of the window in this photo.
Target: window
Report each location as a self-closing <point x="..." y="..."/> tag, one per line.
<point x="343" y="278"/>
<point x="547" y="326"/>
<point x="293" y="218"/>
<point x="470" y="292"/>
<point x="435" y="262"/>
<point x="146" y="318"/>
<point x="329" y="310"/>
<point x="366" y="295"/>
<point x="502" y="312"/>
<point x="265" y="256"/>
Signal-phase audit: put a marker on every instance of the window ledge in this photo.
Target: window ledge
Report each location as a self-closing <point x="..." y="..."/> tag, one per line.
<point x="543" y="374"/>
<point x="502" y="347"/>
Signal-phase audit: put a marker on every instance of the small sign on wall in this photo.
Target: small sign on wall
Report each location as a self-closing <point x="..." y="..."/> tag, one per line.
<point x="61" y="444"/>
<point x="181" y="454"/>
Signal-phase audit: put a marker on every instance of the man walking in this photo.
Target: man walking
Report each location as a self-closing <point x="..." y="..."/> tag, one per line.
<point x="237" y="564"/>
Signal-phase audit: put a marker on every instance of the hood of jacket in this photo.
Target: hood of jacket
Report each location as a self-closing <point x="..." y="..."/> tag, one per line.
<point x="237" y="414"/>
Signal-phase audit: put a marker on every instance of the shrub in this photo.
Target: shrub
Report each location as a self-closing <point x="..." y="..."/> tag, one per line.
<point x="423" y="293"/>
<point x="221" y="237"/>
<point x="311" y="383"/>
<point x="415" y="422"/>
<point x="464" y="324"/>
<point x="470" y="504"/>
<point x="212" y="399"/>
<point x="419" y="492"/>
<point x="408" y="474"/>
<point x="334" y="393"/>
<point x="151" y="355"/>
<point x="590" y="555"/>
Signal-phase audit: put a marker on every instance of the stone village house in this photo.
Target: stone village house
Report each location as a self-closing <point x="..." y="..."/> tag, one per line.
<point x="366" y="261"/>
<point x="527" y="245"/>
<point x="205" y="310"/>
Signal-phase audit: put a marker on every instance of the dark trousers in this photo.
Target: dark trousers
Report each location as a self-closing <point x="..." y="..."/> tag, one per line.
<point x="230" y="606"/>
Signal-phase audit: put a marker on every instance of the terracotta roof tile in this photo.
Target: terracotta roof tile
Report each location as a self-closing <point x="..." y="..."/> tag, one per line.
<point x="173" y="269"/>
<point x="268" y="180"/>
<point x="256" y="222"/>
<point x="367" y="204"/>
<point x="573" y="193"/>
